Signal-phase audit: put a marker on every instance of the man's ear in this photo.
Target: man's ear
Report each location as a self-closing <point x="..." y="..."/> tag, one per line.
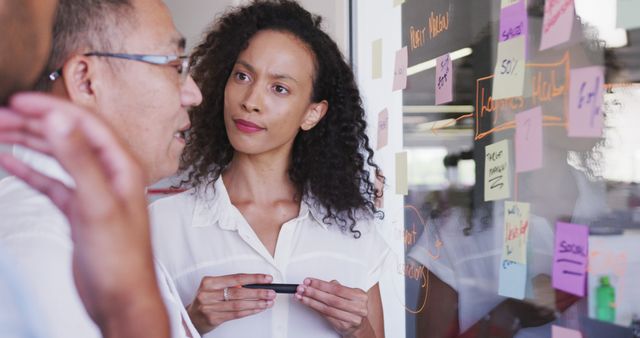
<point x="315" y="113"/>
<point x="78" y="76"/>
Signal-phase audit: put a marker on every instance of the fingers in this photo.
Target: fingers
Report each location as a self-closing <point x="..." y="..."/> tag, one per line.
<point x="335" y="288"/>
<point x="240" y="305"/>
<point x="334" y="300"/>
<point x="328" y="311"/>
<point x="228" y="281"/>
<point x="210" y="297"/>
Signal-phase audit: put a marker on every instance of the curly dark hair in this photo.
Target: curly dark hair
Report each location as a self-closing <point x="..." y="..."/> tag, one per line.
<point x="329" y="161"/>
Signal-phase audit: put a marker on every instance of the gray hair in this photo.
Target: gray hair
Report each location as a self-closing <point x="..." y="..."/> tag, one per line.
<point x="84" y="25"/>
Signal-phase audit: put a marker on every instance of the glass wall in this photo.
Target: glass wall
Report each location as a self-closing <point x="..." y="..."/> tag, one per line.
<point x="519" y="122"/>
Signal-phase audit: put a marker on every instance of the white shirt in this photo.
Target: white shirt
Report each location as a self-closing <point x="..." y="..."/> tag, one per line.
<point x="18" y="318"/>
<point x="37" y="235"/>
<point x="203" y="234"/>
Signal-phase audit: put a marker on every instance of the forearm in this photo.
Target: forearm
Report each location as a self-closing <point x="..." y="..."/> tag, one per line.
<point x="143" y="315"/>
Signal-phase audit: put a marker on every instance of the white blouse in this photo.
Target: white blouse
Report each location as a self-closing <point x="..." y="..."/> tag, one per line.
<point x="203" y="234"/>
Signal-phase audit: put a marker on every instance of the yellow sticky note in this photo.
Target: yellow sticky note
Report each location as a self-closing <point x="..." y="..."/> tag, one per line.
<point x="508" y="80"/>
<point x="376" y="59"/>
<point x="496" y="171"/>
<point x="402" y="174"/>
<point x="397" y="2"/>
<point x="516" y="231"/>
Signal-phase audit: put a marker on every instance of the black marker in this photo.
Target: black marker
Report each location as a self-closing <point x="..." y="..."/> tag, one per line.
<point x="278" y="288"/>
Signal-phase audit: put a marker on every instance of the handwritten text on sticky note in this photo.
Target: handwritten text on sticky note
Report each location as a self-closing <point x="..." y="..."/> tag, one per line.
<point x="557" y="23"/>
<point x="585" y="102"/>
<point x="513" y="21"/>
<point x="510" y="69"/>
<point x="570" y="257"/>
<point x="516" y="231"/>
<point x="496" y="171"/>
<point x="383" y="128"/>
<point x="528" y="140"/>
<point x="400" y="71"/>
<point x="444" y="79"/>
<point x="512" y="279"/>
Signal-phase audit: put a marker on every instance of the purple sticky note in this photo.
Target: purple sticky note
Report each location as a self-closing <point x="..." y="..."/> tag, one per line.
<point x="570" y="258"/>
<point x="561" y="332"/>
<point x="585" y="102"/>
<point x="557" y="23"/>
<point x="444" y="79"/>
<point x="383" y="128"/>
<point x="529" y="140"/>
<point x="400" y="71"/>
<point x="513" y="21"/>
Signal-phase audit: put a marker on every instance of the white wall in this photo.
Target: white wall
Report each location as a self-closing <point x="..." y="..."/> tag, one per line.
<point x="374" y="20"/>
<point x="192" y="17"/>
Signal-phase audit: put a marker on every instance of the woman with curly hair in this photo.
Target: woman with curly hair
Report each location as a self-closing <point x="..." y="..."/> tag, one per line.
<point x="277" y="166"/>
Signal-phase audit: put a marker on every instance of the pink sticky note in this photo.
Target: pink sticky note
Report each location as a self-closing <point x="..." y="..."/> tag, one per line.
<point x="585" y="102"/>
<point x="561" y="332"/>
<point x="400" y="71"/>
<point x="529" y="140"/>
<point x="383" y="128"/>
<point x="513" y="21"/>
<point x="444" y="79"/>
<point x="557" y="23"/>
<point x="570" y="258"/>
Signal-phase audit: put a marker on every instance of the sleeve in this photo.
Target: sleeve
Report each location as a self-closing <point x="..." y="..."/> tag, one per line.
<point x="44" y="261"/>
<point x="379" y="250"/>
<point x="181" y="326"/>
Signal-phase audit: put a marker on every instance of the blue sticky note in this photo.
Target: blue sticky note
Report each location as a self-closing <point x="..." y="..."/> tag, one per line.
<point x="512" y="280"/>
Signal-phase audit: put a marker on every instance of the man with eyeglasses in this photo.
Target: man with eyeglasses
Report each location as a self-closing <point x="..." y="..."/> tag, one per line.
<point x="122" y="60"/>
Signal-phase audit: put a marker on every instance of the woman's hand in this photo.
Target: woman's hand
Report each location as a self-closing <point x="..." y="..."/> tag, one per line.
<point x="345" y="308"/>
<point x="211" y="308"/>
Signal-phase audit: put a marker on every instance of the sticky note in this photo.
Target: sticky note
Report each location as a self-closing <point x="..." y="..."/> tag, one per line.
<point x="516" y="231"/>
<point x="557" y="23"/>
<point x="496" y="171"/>
<point x="512" y="279"/>
<point x="379" y="201"/>
<point x="513" y="21"/>
<point x="570" y="258"/>
<point x="383" y="128"/>
<point x="397" y="2"/>
<point x="508" y="80"/>
<point x="627" y="14"/>
<point x="528" y="140"/>
<point x="402" y="173"/>
<point x="586" y="92"/>
<point x="444" y="79"/>
<point x="505" y="3"/>
<point x="400" y="71"/>
<point x="376" y="59"/>
<point x="561" y="332"/>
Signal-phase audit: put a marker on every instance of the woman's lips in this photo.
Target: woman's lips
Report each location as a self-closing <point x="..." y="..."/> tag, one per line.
<point x="247" y="127"/>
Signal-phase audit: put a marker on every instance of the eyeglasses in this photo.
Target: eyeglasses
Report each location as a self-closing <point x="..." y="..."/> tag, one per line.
<point x="180" y="62"/>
